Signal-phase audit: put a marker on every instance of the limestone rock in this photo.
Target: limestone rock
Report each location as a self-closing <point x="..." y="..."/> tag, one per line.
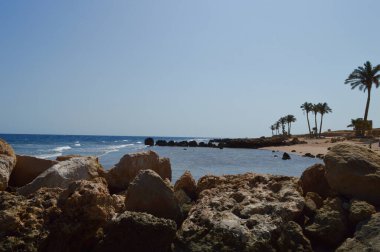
<point x="24" y="221"/>
<point x="135" y="232"/>
<point x="86" y="207"/>
<point x="293" y="239"/>
<point x="330" y="225"/>
<point x="187" y="183"/>
<point x="125" y="171"/>
<point x="67" y="157"/>
<point x="28" y="168"/>
<point x="360" y="211"/>
<point x="240" y="213"/>
<point x="313" y="180"/>
<point x="366" y="238"/>
<point x="354" y="172"/>
<point x="65" y="172"/>
<point x="7" y="163"/>
<point x="149" y="193"/>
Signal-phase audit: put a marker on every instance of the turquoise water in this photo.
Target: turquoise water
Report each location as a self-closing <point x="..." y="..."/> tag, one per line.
<point x="199" y="161"/>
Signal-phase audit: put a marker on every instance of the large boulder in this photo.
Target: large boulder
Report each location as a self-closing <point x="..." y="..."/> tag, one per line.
<point x="28" y="168"/>
<point x="135" y="232"/>
<point x="149" y="141"/>
<point x="86" y="208"/>
<point x="7" y="163"/>
<point x="354" y="172"/>
<point x="186" y="183"/>
<point x="313" y="180"/>
<point x="360" y="211"/>
<point x="149" y="193"/>
<point x="62" y="174"/>
<point x="24" y="221"/>
<point x="330" y="225"/>
<point x="246" y="212"/>
<point x="366" y="238"/>
<point x="125" y="171"/>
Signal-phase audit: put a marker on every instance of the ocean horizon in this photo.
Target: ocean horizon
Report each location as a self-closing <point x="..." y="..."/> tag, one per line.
<point x="199" y="161"/>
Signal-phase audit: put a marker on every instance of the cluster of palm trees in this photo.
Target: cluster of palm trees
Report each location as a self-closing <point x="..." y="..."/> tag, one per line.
<point x="281" y="123"/>
<point x="319" y="108"/>
<point x="365" y="78"/>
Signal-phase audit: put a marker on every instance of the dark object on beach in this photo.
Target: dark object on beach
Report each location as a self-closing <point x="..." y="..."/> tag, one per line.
<point x="309" y="155"/>
<point x="273" y="151"/>
<point x="161" y="143"/>
<point x="320" y="156"/>
<point x="149" y="141"/>
<point x="193" y="144"/>
<point x="293" y="150"/>
<point x="286" y="156"/>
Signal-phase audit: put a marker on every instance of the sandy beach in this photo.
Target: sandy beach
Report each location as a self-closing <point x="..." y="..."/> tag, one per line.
<point x="318" y="146"/>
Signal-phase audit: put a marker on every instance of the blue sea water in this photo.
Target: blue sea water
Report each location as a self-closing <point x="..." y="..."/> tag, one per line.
<point x="199" y="161"/>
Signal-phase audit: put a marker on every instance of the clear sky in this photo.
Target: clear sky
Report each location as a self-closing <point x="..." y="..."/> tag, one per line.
<point x="182" y="68"/>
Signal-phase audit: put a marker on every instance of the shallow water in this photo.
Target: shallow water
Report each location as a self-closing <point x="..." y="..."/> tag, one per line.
<point x="199" y="161"/>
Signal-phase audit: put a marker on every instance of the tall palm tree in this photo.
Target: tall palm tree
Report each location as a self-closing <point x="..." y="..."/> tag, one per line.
<point x="290" y="119"/>
<point x="277" y="125"/>
<point x="364" y="77"/>
<point x="323" y="108"/>
<point x="315" y="111"/>
<point x="306" y="107"/>
<point x="272" y="127"/>
<point x="282" y="121"/>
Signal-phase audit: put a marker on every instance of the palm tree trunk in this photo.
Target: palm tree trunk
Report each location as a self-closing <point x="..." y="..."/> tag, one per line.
<point x="308" y="122"/>
<point x="320" y="126"/>
<point x="288" y="129"/>
<point x="316" y="125"/>
<point x="367" y="105"/>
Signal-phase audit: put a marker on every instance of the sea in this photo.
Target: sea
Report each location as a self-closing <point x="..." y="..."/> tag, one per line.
<point x="199" y="161"/>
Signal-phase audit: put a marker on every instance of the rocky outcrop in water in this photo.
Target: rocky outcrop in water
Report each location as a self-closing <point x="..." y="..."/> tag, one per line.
<point x="120" y="176"/>
<point x="354" y="171"/>
<point x="7" y="163"/>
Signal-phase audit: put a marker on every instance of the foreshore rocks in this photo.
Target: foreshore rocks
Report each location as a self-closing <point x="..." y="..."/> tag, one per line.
<point x="63" y="173"/>
<point x="120" y="176"/>
<point x="246" y="212"/>
<point x="7" y="163"/>
<point x="354" y="171"/>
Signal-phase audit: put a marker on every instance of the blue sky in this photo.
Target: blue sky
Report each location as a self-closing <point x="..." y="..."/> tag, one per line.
<point x="181" y="68"/>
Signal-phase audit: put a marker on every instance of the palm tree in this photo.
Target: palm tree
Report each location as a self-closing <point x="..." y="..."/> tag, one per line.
<point x="315" y="111"/>
<point x="307" y="107"/>
<point x="323" y="108"/>
<point x="282" y="121"/>
<point x="364" y="77"/>
<point x="277" y="125"/>
<point x="272" y="127"/>
<point x="290" y="119"/>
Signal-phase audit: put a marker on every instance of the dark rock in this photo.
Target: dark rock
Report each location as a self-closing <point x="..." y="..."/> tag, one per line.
<point x="193" y="144"/>
<point x="149" y="141"/>
<point x="360" y="211"/>
<point x="320" y="156"/>
<point x="66" y="157"/>
<point x="183" y="144"/>
<point x="313" y="180"/>
<point x="171" y="143"/>
<point x="161" y="143"/>
<point x="202" y="144"/>
<point x="286" y="156"/>
<point x="309" y="155"/>
<point x="187" y="183"/>
<point x="135" y="232"/>
<point x="293" y="239"/>
<point x="293" y="150"/>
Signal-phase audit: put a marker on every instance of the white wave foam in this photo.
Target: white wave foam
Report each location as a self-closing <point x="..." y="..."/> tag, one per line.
<point x="77" y="145"/>
<point x="125" y="140"/>
<point x="62" y="148"/>
<point x="114" y="148"/>
<point x="139" y="142"/>
<point x="47" y="156"/>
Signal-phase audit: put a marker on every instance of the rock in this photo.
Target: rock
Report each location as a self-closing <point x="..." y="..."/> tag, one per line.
<point x="149" y="193"/>
<point x="149" y="141"/>
<point x="286" y="156"/>
<point x="293" y="239"/>
<point x="360" y="211"/>
<point x="7" y="163"/>
<point x="309" y="155"/>
<point x="161" y="143"/>
<point x="330" y="224"/>
<point x="314" y="197"/>
<point x="135" y="232"/>
<point x="320" y="156"/>
<point x="67" y="157"/>
<point x="86" y="207"/>
<point x="187" y="183"/>
<point x="354" y="172"/>
<point x="193" y="144"/>
<point x="366" y="238"/>
<point x="62" y="174"/>
<point x="171" y="143"/>
<point x="24" y="221"/>
<point x="182" y="144"/>
<point x="28" y="168"/>
<point x="182" y="197"/>
<point x="125" y="171"/>
<point x="244" y="212"/>
<point x="313" y="180"/>
<point x="293" y="150"/>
